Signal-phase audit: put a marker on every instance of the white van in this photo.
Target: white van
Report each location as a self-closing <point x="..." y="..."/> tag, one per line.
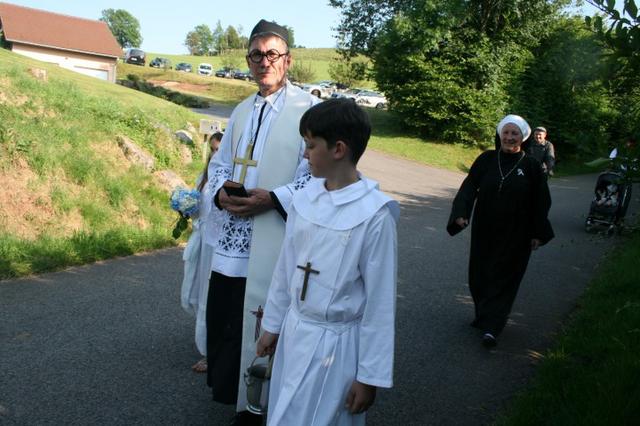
<point x="205" y="69"/>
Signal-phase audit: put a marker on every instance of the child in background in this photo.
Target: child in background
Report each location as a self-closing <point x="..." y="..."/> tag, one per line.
<point x="197" y="261"/>
<point x="331" y="304"/>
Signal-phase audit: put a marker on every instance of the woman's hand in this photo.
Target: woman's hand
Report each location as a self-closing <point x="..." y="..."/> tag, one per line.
<point x="462" y="222"/>
<point x="267" y="344"/>
<point x="360" y="397"/>
<point x="535" y="243"/>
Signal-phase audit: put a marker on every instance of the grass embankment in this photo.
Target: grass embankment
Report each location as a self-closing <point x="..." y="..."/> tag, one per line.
<point x="592" y="375"/>
<point x="69" y="195"/>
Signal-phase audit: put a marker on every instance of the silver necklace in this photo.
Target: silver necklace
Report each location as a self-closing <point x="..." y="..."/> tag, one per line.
<point x="502" y="175"/>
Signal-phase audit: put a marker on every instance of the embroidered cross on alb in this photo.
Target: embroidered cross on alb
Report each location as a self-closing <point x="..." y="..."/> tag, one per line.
<point x="307" y="271"/>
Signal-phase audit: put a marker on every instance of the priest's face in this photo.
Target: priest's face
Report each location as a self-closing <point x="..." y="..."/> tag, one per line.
<point x="510" y="138"/>
<point x="270" y="76"/>
<point x="319" y="155"/>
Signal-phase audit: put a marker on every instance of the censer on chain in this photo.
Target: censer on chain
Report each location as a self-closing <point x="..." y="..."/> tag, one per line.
<point x="257" y="378"/>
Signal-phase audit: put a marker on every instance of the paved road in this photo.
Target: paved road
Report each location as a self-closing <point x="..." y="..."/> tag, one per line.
<point x="109" y="344"/>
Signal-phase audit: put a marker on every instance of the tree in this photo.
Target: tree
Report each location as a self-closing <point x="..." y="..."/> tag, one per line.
<point x="301" y="72"/>
<point x="124" y="27"/>
<point x="199" y="41"/>
<point x="219" y="39"/>
<point x="622" y="37"/>
<point x="445" y="65"/>
<point x="563" y="88"/>
<point x="349" y="71"/>
<point x="292" y="41"/>
<point x="233" y="39"/>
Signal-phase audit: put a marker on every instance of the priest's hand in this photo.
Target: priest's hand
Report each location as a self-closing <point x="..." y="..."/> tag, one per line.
<point x="535" y="243"/>
<point x="360" y="397"/>
<point x="258" y="201"/>
<point x="462" y="222"/>
<point x="267" y="344"/>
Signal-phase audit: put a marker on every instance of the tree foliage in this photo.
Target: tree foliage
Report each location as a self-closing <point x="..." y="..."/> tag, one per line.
<point x="621" y="35"/>
<point x="199" y="41"/>
<point x="124" y="27"/>
<point x="301" y="72"/>
<point x="445" y="65"/>
<point x="349" y="72"/>
<point x="292" y="38"/>
<point x="563" y="88"/>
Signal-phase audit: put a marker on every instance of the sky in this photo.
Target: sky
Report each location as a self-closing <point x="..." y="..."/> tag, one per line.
<point x="164" y="24"/>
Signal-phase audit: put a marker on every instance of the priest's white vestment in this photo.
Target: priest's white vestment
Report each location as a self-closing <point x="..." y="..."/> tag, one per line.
<point x="249" y="247"/>
<point x="343" y="330"/>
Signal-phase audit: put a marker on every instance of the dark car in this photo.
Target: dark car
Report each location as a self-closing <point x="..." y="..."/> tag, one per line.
<point x="242" y="75"/>
<point x="224" y="72"/>
<point x="135" y="56"/>
<point x="161" y="63"/>
<point x="183" y="66"/>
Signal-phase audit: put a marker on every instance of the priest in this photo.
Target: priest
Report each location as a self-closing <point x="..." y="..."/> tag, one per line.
<point x="262" y="151"/>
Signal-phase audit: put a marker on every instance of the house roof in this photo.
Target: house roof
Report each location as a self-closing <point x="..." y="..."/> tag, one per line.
<point x="41" y="28"/>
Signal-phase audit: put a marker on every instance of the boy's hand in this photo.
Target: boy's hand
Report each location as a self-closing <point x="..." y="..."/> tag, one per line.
<point x="267" y="344"/>
<point x="360" y="397"/>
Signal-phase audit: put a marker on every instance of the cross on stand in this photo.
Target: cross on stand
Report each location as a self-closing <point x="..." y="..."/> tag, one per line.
<point x="307" y="271"/>
<point x="246" y="161"/>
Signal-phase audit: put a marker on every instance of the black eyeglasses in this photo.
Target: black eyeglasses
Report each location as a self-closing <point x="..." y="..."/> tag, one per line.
<point x="272" y="55"/>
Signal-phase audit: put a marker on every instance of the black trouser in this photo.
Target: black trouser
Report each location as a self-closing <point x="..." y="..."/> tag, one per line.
<point x="225" y="303"/>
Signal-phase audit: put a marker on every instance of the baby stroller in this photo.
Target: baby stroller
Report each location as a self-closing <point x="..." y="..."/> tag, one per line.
<point x="610" y="203"/>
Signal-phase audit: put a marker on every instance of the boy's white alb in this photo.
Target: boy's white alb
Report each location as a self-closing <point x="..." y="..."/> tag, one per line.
<point x="344" y="329"/>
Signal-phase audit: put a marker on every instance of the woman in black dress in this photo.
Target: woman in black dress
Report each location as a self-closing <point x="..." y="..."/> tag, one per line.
<point x="512" y="202"/>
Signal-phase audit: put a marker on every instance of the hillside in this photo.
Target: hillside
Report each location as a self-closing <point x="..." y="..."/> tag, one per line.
<point x="69" y="195"/>
<point x="319" y="59"/>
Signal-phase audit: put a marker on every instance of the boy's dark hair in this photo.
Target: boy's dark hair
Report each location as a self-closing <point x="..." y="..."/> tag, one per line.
<point x="338" y="120"/>
<point x="217" y="136"/>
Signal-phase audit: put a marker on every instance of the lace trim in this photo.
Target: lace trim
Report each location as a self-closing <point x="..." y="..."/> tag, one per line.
<point x="302" y="181"/>
<point x="235" y="236"/>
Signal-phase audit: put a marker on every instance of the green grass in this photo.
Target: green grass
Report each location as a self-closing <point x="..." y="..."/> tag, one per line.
<point x="58" y="141"/>
<point x="389" y="136"/>
<point x="592" y="374"/>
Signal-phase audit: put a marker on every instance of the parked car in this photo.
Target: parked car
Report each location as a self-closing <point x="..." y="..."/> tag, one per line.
<point x="321" y="90"/>
<point x="135" y="56"/>
<point x="225" y="73"/>
<point x="371" y="99"/>
<point x="349" y="93"/>
<point x="205" y="69"/>
<point x="161" y="63"/>
<point x="243" y="75"/>
<point x="183" y="66"/>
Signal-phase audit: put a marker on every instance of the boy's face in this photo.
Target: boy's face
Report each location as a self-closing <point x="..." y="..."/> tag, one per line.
<point x="319" y="155"/>
<point x="215" y="144"/>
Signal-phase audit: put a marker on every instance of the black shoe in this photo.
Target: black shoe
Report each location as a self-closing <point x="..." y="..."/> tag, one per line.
<point x="489" y="340"/>
<point x="245" y="418"/>
<point x="475" y="323"/>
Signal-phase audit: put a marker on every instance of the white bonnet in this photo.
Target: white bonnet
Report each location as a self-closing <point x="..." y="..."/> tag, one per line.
<point x="524" y="127"/>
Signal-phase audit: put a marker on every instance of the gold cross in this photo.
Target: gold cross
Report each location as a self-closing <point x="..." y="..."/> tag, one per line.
<point x="246" y="161"/>
<point x="307" y="270"/>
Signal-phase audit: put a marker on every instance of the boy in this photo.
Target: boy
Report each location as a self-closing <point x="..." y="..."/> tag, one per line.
<point x="331" y="304"/>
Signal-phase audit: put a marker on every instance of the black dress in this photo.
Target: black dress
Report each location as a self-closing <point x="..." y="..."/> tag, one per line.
<point x="505" y="220"/>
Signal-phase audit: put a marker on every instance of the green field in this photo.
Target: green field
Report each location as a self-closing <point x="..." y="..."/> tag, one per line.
<point x="318" y="59"/>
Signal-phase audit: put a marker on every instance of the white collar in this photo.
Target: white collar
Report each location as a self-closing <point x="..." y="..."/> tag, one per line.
<point x="275" y="100"/>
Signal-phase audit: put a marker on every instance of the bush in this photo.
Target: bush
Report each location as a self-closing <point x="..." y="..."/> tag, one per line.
<point x="301" y="72"/>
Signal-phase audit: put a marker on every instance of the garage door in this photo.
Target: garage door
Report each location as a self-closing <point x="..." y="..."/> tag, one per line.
<point x="101" y="74"/>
